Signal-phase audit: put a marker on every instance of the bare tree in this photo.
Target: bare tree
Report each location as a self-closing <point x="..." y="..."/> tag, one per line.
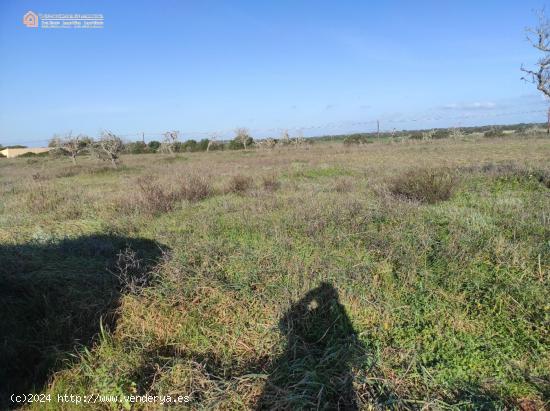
<point x="170" y="141"/>
<point x="212" y="142"/>
<point x="539" y="37"/>
<point x="109" y="147"/>
<point x="299" y="140"/>
<point x="71" y="145"/>
<point x="266" y="143"/>
<point x="456" y="133"/>
<point x="242" y="135"/>
<point x="285" y="138"/>
<point x="428" y="135"/>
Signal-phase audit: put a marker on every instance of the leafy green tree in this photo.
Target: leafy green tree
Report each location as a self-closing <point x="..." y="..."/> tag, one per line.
<point x="189" y="146"/>
<point x="153" y="145"/>
<point x="203" y="144"/>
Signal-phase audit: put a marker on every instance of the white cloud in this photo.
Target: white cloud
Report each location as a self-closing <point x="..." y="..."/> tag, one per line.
<point x="477" y="105"/>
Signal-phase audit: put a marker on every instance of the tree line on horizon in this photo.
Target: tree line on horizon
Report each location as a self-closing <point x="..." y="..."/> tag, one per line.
<point x="109" y="146"/>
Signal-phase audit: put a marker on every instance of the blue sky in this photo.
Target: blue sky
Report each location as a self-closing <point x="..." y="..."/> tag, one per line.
<point x="313" y="67"/>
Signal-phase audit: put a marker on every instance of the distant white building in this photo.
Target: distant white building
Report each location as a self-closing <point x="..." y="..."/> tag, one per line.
<point x="15" y="152"/>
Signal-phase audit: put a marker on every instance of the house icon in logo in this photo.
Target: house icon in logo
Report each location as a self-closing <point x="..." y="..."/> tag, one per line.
<point x="30" y="19"/>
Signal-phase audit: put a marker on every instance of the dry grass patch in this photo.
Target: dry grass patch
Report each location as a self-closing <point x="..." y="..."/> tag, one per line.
<point x="271" y="183"/>
<point x="44" y="198"/>
<point x="155" y="199"/>
<point x="343" y="185"/>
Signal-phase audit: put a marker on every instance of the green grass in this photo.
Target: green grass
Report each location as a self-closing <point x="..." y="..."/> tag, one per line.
<point x="329" y="291"/>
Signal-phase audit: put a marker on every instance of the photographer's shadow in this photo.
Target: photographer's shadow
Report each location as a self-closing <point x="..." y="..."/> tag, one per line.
<point x="56" y="296"/>
<point x="315" y="370"/>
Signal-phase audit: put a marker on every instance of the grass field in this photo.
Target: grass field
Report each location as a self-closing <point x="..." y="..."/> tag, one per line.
<point x="384" y="276"/>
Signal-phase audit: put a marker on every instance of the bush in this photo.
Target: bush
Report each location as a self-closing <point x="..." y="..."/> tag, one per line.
<point x="203" y="144"/>
<point x="137" y="147"/>
<point x="153" y="198"/>
<point x="416" y="136"/>
<point x="153" y="145"/>
<point x="425" y="185"/>
<point x="32" y="155"/>
<point x="2" y="155"/>
<point x="355" y="139"/>
<point x="239" y="184"/>
<point x="195" y="188"/>
<point x="494" y="133"/>
<point x="237" y="144"/>
<point x="189" y="146"/>
<point x="441" y="133"/>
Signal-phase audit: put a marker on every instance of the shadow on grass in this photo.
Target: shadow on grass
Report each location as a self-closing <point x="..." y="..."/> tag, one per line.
<point x="55" y="296"/>
<point x="316" y="369"/>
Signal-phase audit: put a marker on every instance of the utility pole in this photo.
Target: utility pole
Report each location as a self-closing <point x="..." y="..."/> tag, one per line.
<point x="143" y="137"/>
<point x="378" y="128"/>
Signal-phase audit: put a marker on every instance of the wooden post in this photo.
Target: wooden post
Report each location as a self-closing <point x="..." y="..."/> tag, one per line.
<point x="143" y="137"/>
<point x="378" y="128"/>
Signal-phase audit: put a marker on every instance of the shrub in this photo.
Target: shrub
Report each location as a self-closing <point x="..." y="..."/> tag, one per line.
<point x="137" y="147"/>
<point x="270" y="182"/>
<point x="153" y="145"/>
<point x="203" y="144"/>
<point x="357" y="139"/>
<point x="425" y="185"/>
<point x="416" y="136"/>
<point x="195" y="188"/>
<point x="130" y="271"/>
<point x="494" y="133"/>
<point x="32" y="155"/>
<point x="239" y="184"/>
<point x="242" y="138"/>
<point x="441" y="133"/>
<point x="154" y="199"/>
<point x="2" y="155"/>
<point x="189" y="146"/>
